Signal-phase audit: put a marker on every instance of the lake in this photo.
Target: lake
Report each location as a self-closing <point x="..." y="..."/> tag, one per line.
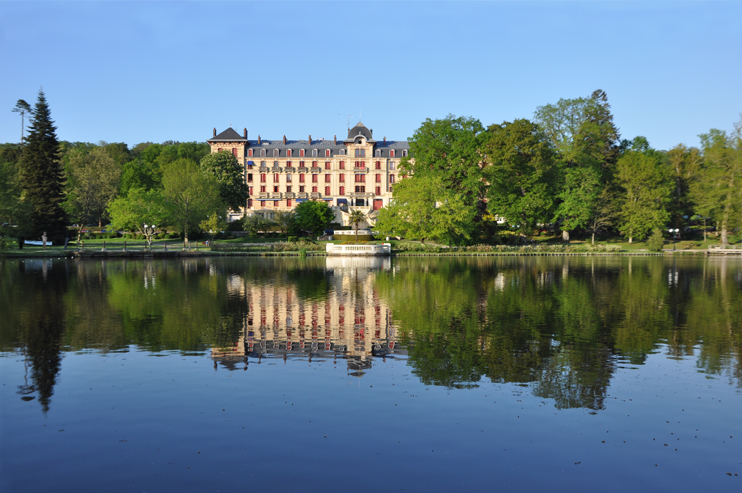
<point x="476" y="374"/>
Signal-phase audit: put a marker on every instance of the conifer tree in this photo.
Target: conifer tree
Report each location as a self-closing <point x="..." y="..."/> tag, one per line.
<point x="42" y="174"/>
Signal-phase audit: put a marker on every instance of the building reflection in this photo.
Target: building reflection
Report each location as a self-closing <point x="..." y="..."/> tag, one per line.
<point x="348" y="320"/>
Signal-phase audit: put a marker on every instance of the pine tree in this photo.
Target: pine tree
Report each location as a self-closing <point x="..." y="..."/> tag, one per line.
<point x="42" y="174"/>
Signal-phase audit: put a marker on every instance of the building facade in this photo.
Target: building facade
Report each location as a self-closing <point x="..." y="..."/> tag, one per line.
<point x="357" y="172"/>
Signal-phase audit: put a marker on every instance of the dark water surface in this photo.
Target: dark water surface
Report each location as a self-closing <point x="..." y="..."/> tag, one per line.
<point x="494" y="374"/>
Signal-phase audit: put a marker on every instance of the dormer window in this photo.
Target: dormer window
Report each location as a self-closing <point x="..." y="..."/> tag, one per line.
<point x="391" y="153"/>
<point x="314" y="152"/>
<point x="249" y="153"/>
<point x="404" y="153"/>
<point x="342" y="152"/>
<point x="275" y="152"/>
<point x="327" y="153"/>
<point x="288" y="152"/>
<point x="262" y="152"/>
<point x="301" y="153"/>
<point x="378" y="152"/>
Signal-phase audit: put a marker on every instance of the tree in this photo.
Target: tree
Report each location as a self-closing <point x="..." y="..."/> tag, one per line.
<point x="646" y="186"/>
<point x="717" y="190"/>
<point x="285" y="220"/>
<point x="355" y="217"/>
<point x="42" y="174"/>
<point x="93" y="182"/>
<point x="22" y="107"/>
<point x="451" y="148"/>
<point x="424" y="208"/>
<point x="228" y="173"/>
<point x="139" y="207"/>
<point x="13" y="210"/>
<point x="586" y="140"/>
<point x="685" y="164"/>
<point x="213" y="225"/>
<point x="255" y="223"/>
<point x="313" y="216"/>
<point x="190" y="195"/>
<point x="521" y="172"/>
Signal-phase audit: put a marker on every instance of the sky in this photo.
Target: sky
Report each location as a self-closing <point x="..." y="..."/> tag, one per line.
<point x="155" y="71"/>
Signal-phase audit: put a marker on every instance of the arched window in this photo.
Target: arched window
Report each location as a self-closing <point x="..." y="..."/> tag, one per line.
<point x="262" y="152"/>
<point x="327" y="153"/>
<point x="288" y="152"/>
<point x="404" y="153"/>
<point x="301" y="153"/>
<point x="275" y="152"/>
<point x="314" y="152"/>
<point x="378" y="152"/>
<point x="249" y="153"/>
<point x="391" y="153"/>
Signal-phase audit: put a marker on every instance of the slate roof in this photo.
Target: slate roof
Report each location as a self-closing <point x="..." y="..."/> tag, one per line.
<point x="229" y="135"/>
<point x="359" y="129"/>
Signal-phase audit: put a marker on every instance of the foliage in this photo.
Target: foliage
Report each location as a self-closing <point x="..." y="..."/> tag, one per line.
<point x="256" y="223"/>
<point x="313" y="216"/>
<point x="356" y="216"/>
<point x="285" y="221"/>
<point x="213" y="225"/>
<point x="42" y="174"/>
<point x="521" y="172"/>
<point x="229" y="174"/>
<point x="190" y="195"/>
<point x="93" y="181"/>
<point x="423" y="208"/>
<point x="646" y="186"/>
<point x="139" y="207"/>
<point x="656" y="242"/>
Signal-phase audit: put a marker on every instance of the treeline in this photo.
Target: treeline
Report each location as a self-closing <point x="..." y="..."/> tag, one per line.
<point x="565" y="169"/>
<point x="46" y="184"/>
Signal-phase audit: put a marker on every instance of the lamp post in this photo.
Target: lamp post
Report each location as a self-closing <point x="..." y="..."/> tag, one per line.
<point x="674" y="233"/>
<point x="149" y="230"/>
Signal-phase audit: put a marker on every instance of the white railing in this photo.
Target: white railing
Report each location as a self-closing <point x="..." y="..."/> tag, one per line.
<point x="384" y="249"/>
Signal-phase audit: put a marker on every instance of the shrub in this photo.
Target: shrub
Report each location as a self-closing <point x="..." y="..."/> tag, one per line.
<point x="656" y="241"/>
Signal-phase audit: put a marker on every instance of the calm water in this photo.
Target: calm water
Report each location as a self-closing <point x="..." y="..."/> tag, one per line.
<point x="608" y="374"/>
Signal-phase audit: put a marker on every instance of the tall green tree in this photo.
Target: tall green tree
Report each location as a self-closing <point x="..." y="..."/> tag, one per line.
<point x="190" y="195"/>
<point x="521" y="173"/>
<point x="13" y="210"/>
<point x="131" y="212"/>
<point x="93" y="182"/>
<point x="313" y="215"/>
<point x="717" y="190"/>
<point x="685" y="163"/>
<point x="586" y="140"/>
<point x="42" y="174"/>
<point x="646" y="186"/>
<point x="229" y="174"/>
<point x="423" y="208"/>
<point x="451" y="148"/>
<point x="22" y="107"/>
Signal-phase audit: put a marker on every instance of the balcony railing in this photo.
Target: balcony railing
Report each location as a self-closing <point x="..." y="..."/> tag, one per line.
<point x="316" y="170"/>
<point x="275" y="195"/>
<point x="315" y="195"/>
<point x="290" y="169"/>
<point x="303" y="169"/>
<point x="289" y="195"/>
<point x="301" y="195"/>
<point x="263" y="195"/>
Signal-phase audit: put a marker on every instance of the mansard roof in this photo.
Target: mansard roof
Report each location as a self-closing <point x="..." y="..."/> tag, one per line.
<point x="229" y="135"/>
<point x="360" y="129"/>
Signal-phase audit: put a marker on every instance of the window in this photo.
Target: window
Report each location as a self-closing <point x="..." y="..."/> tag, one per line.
<point x="314" y="152"/>
<point x="315" y="164"/>
<point x="262" y="178"/>
<point x="288" y="152"/>
<point x="360" y="152"/>
<point x="404" y="153"/>
<point x="360" y="189"/>
<point x="327" y="190"/>
<point x="288" y="164"/>
<point x="342" y="152"/>
<point x="288" y="202"/>
<point x="275" y="178"/>
<point x="314" y="178"/>
<point x="301" y="178"/>
<point x="391" y="178"/>
<point x="301" y="189"/>
<point x="275" y="189"/>
<point x="262" y="188"/>
<point x="342" y="164"/>
<point x="328" y="165"/>
<point x="314" y="189"/>
<point x="249" y="153"/>
<point x="275" y="152"/>
<point x="327" y="178"/>
<point x="262" y="152"/>
<point x="275" y="203"/>
<point x="249" y="203"/>
<point x="234" y="151"/>
<point x="288" y="178"/>
<point x="327" y="153"/>
<point x="378" y="152"/>
<point x="391" y="153"/>
<point x="391" y="165"/>
<point x="342" y="178"/>
<point x="342" y="190"/>
<point x="360" y="178"/>
<point x="378" y="164"/>
<point x="360" y="164"/>
<point x="249" y="178"/>
<point x="288" y="188"/>
<point x="378" y="177"/>
<point x="249" y="190"/>
<point x="301" y="153"/>
<point x="378" y="190"/>
<point x="262" y="163"/>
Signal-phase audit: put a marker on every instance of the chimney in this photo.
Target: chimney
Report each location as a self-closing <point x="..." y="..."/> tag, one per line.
<point x="259" y="139"/>
<point x="214" y="131"/>
<point x="336" y="139"/>
<point x="385" y="140"/>
<point x="310" y="140"/>
<point x="372" y="132"/>
<point x="244" y="133"/>
<point x="284" y="140"/>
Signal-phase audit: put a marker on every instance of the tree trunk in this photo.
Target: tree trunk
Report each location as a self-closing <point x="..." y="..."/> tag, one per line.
<point x="631" y="240"/>
<point x="593" y="242"/>
<point x="724" y="236"/>
<point x="565" y="235"/>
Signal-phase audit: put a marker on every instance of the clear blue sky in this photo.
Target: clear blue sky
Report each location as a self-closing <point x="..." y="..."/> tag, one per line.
<point x="137" y="71"/>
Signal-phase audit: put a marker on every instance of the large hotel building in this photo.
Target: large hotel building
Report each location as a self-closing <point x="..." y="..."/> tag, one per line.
<point x="358" y="171"/>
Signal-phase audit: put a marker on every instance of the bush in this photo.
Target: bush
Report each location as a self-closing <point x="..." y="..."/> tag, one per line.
<point x="656" y="241"/>
<point x="292" y="239"/>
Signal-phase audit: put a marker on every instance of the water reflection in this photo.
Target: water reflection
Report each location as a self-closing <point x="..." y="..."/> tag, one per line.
<point x="560" y="326"/>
